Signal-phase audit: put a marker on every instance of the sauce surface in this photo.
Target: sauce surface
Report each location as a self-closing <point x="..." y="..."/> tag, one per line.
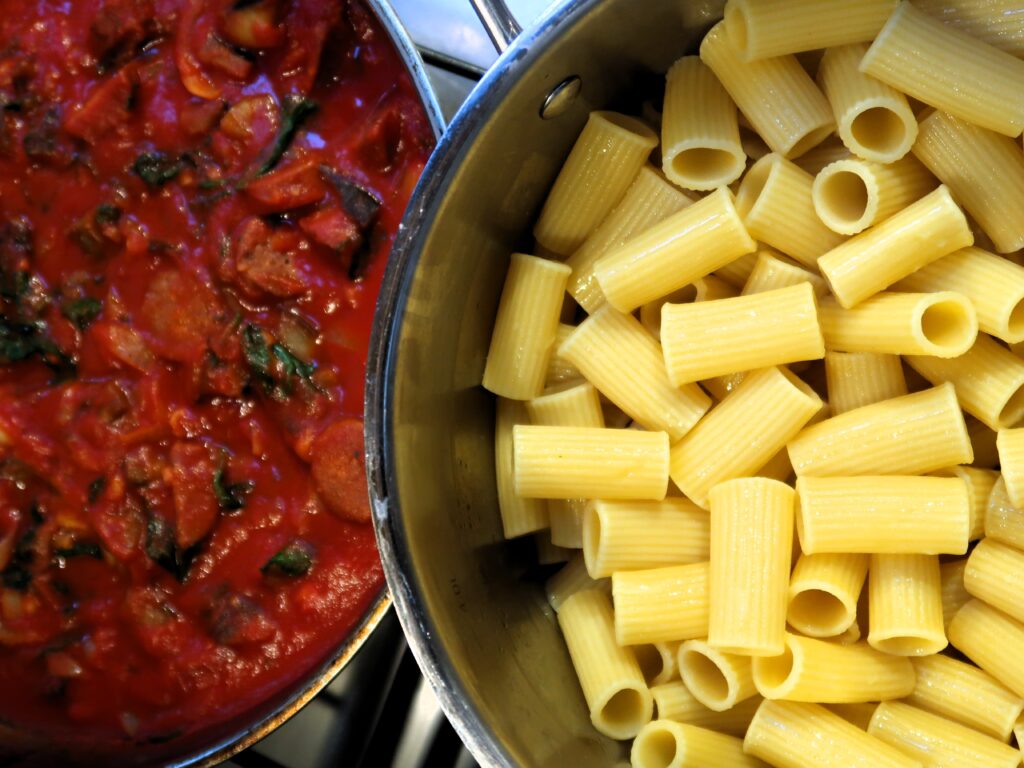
<point x="196" y="202"/>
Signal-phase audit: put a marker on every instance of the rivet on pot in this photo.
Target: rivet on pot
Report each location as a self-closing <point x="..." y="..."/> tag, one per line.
<point x="561" y="97"/>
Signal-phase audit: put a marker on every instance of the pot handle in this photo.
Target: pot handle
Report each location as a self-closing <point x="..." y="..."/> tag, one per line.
<point x="499" y="22"/>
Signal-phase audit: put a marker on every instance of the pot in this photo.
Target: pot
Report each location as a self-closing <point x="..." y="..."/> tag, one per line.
<point x="472" y="604"/>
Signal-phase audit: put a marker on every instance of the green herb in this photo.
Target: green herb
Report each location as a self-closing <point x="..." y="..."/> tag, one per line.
<point x="294" y="112"/>
<point x="106" y="214"/>
<point x="157" y="168"/>
<point x="274" y="366"/>
<point x="293" y="560"/>
<point x="20" y="341"/>
<point x="96" y="488"/>
<point x="162" y="550"/>
<point x="80" y="549"/>
<point x="82" y="311"/>
<point x="292" y="367"/>
<point x="230" y="496"/>
<point x="257" y="355"/>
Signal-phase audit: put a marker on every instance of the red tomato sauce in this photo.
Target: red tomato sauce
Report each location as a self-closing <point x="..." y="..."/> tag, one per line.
<point x="196" y="202"/>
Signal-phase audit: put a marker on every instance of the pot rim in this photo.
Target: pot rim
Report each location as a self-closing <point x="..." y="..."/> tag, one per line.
<point x="406" y="590"/>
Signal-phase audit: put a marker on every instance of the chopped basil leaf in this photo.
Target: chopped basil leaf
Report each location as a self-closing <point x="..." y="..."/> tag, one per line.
<point x="294" y="112"/>
<point x="106" y="214"/>
<point x="156" y="168"/>
<point x="230" y="496"/>
<point x="292" y="367"/>
<point x="162" y="550"/>
<point x="257" y="355"/>
<point x="80" y="549"/>
<point x="293" y="560"/>
<point x="82" y="311"/>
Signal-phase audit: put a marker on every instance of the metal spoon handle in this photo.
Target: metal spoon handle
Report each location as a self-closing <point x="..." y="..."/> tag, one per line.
<point x="499" y="22"/>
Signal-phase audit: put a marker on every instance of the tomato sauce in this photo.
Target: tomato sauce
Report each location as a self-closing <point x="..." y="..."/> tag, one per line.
<point x="196" y="201"/>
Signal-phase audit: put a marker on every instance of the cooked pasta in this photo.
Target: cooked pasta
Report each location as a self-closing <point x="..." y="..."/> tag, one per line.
<point x="570" y="579"/>
<point x="1010" y="444"/>
<point x="687" y="745"/>
<point x="954" y="594"/>
<point x="661" y="604"/>
<point x="979" y="483"/>
<point x="823" y="593"/>
<point x="773" y="271"/>
<point x="856" y="379"/>
<point x="994" y="573"/>
<point x="905" y="605"/>
<point x="1003" y="521"/>
<point x="673" y="701"/>
<point x="999" y="23"/>
<point x="717" y="679"/>
<point x="519" y="516"/>
<point x="992" y="640"/>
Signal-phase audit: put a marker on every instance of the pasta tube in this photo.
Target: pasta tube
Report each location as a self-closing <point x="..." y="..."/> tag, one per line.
<point x="650" y="313"/>
<point x="683" y="247"/>
<point x="570" y="579"/>
<point x="993" y="574"/>
<point x="619" y="700"/>
<point x="821" y="672"/>
<point x="525" y="328"/>
<point x="601" y="166"/>
<point x="761" y="29"/>
<point x="989" y="381"/>
<point x="650" y="199"/>
<point x="992" y="640"/>
<point x="620" y="358"/>
<point x="700" y="137"/>
<point x="630" y="535"/>
<point x="713" y="338"/>
<point x="964" y="693"/>
<point x="826" y="153"/>
<point x="1010" y="444"/>
<point x="851" y="195"/>
<point x="717" y="679"/>
<point x="560" y="370"/>
<point x="979" y="483"/>
<point x="519" y="516"/>
<point x="905" y="605"/>
<point x="937" y="741"/>
<point x="997" y="22"/>
<point x="954" y="594"/>
<point x="661" y="604"/>
<point x="875" y="121"/>
<point x="779" y="99"/>
<point x="870" y="262"/>
<point x="776" y="202"/>
<point x="1003" y="521"/>
<point x="948" y="69"/>
<point x="912" y="434"/>
<point x="889" y="514"/>
<point x="673" y="701"/>
<point x="574" y="406"/>
<point x="858" y="713"/>
<point x="773" y="271"/>
<point x="983" y="441"/>
<point x="742" y="432"/>
<point x="737" y="271"/>
<point x="983" y="169"/>
<point x="659" y="662"/>
<point x="856" y="379"/>
<point x="823" y="593"/>
<point x="688" y="745"/>
<point x="781" y="730"/>
<point x="589" y="463"/>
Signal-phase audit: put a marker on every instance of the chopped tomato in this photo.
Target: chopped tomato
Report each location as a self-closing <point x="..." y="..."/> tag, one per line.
<point x="292" y="186"/>
<point x="192" y="474"/>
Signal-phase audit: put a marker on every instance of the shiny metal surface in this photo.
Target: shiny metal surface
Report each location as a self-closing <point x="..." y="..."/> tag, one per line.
<point x="480" y="629"/>
<point x="213" y="746"/>
<point x="499" y="22"/>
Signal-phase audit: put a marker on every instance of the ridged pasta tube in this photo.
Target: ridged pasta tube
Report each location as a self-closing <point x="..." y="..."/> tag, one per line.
<point x="905" y="605"/>
<point x="661" y="604"/>
<point x="717" y="679"/>
<point x="994" y="574"/>
<point x="954" y="594"/>
<point x="992" y="640"/>
<point x="823" y="593"/>
<point x="856" y="379"/>
<point x="1003" y="521"/>
<point x="997" y="22"/>
<point x="519" y="516"/>
<point x="687" y="745"/>
<point x="1010" y="444"/>
<point x="979" y="484"/>
<point x="773" y="271"/>
<point x="673" y="701"/>
<point x="570" y="579"/>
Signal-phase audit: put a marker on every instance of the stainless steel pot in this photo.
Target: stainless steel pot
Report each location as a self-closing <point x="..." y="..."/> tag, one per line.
<point x="479" y="627"/>
<point x="214" y="745"/>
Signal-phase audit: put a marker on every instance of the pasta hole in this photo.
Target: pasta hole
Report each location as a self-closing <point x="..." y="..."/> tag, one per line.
<point x="623" y="708"/>
<point x="1015" y="323"/>
<point x="650" y="661"/>
<point x="736" y="25"/>
<point x="879" y="129"/>
<point x="704" y="674"/>
<point x="656" y="747"/>
<point x="846" y="196"/>
<point x="703" y="164"/>
<point x="818" y="613"/>
<point x="906" y="646"/>
<point x="1013" y="410"/>
<point x="753" y="185"/>
<point x="773" y="671"/>
<point x="946" y="324"/>
<point x="812" y="139"/>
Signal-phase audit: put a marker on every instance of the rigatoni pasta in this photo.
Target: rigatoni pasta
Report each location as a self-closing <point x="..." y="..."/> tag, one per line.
<point x="661" y="604"/>
<point x="673" y="701"/>
<point x="997" y="22"/>
<point x="688" y="745"/>
<point x="856" y="379"/>
<point x="772" y="271"/>
<point x="570" y="579"/>
<point x="823" y="593"/>
<point x="979" y="484"/>
<point x="992" y="640"/>
<point x="994" y="574"/>
<point x="519" y="515"/>
<point x="1010" y="444"/>
<point x="954" y="594"/>
<point x="905" y="605"/>
<point x="717" y="679"/>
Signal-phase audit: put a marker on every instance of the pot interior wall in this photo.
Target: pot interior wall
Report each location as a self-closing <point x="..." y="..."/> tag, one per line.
<point x="474" y="603"/>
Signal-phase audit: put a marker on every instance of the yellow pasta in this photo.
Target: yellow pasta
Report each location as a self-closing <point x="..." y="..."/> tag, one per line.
<point x="751" y="548"/>
<point x="574" y="406"/>
<point x="736" y="272"/>
<point x="993" y="574"/>
<point x="983" y="169"/>
<point x="700" y="137"/>
<point x="626" y="364"/>
<point x="826" y="153"/>
<point x="683" y="247"/>
<point x="983" y="440"/>
<point x="782" y="730"/>
<point x="905" y="605"/>
<point x="560" y="370"/>
<point x="989" y="381"/>
<point x="761" y="29"/>
<point x="1010" y="444"/>
<point x="1003" y="521"/>
<point x="779" y="99"/>
<point x="650" y="199"/>
<point x="668" y="744"/>
<point x="613" y="684"/>
<point x="938" y="324"/>
<point x="659" y="662"/>
<point x="742" y="432"/>
<point x="994" y="285"/>
<point x="823" y="593"/>
<point x="999" y="23"/>
<point x="713" y="338"/>
<point x="949" y="70"/>
<point x="776" y="202"/>
<point x="773" y="271"/>
<point x="650" y="313"/>
<point x="717" y="679"/>
<point x="912" y="434"/>
<point x="874" y="121"/>
<point x="964" y="693"/>
<point x="954" y="594"/>
<point x="601" y="166"/>
<point x="589" y="463"/>
<point x="570" y="579"/>
<point x="936" y="741"/>
<point x="630" y="535"/>
<point x="525" y="328"/>
<point x="870" y="262"/>
<point x="852" y="194"/>
<point x="992" y="640"/>
<point x="858" y="713"/>
<point x="661" y="604"/>
<point x="822" y="672"/>
<point x="519" y="516"/>
<point x="673" y="701"/>
<point x="888" y="514"/>
<point x="856" y="379"/>
<point x="979" y="483"/>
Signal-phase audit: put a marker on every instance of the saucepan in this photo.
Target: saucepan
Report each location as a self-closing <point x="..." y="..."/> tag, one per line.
<point x="474" y="613"/>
